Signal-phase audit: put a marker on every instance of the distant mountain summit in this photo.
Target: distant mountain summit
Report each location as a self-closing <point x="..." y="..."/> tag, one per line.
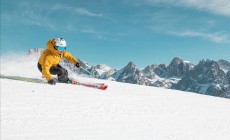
<point x="225" y="65"/>
<point x="207" y="77"/>
<point x="35" y="51"/>
<point x="129" y="74"/>
<point x="178" y="67"/>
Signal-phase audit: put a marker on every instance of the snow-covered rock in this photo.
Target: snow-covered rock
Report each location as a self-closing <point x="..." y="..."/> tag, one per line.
<point x="35" y="51"/>
<point x="129" y="74"/>
<point x="224" y="65"/>
<point x="205" y="78"/>
<point x="228" y="76"/>
<point x="178" y="67"/>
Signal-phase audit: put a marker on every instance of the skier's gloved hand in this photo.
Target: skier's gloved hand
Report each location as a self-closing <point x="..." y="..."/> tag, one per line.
<point x="78" y="65"/>
<point x="51" y="82"/>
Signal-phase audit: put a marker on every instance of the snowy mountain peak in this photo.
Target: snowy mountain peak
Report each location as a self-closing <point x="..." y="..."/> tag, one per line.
<point x="225" y="65"/>
<point x="206" y="78"/>
<point x="211" y="69"/>
<point x="130" y="74"/>
<point x="35" y="51"/>
<point x="102" y="66"/>
<point x="178" y="67"/>
<point x="102" y="71"/>
<point x="149" y="72"/>
<point x="131" y="65"/>
<point x="176" y="61"/>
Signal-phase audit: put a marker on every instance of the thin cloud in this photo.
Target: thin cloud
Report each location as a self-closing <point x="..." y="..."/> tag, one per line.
<point x="96" y="34"/>
<point x="78" y="10"/>
<point x="219" y="7"/>
<point x="90" y="31"/>
<point x="40" y="16"/>
<point x="28" y="17"/>
<point x="218" y="37"/>
<point x="86" y="12"/>
<point x="182" y="25"/>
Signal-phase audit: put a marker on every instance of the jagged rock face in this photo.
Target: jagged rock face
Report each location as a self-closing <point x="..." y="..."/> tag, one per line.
<point x="100" y="66"/>
<point x="178" y="67"/>
<point x="205" y="78"/>
<point x="102" y="71"/>
<point x="209" y="72"/>
<point x="161" y="70"/>
<point x="129" y="74"/>
<point x="214" y="90"/>
<point x="227" y="93"/>
<point x="107" y="75"/>
<point x="149" y="72"/>
<point x="228" y="76"/>
<point x="225" y="65"/>
<point x="157" y="83"/>
<point x="130" y="68"/>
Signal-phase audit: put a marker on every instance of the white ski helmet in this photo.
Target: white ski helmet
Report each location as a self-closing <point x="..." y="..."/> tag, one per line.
<point x="60" y="42"/>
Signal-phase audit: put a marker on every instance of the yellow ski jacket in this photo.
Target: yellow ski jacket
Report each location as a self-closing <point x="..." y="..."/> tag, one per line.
<point x="50" y="57"/>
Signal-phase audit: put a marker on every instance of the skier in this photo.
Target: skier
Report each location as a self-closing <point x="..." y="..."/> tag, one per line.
<point x="49" y="60"/>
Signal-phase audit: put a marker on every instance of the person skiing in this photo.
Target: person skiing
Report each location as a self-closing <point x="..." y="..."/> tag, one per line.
<point x="49" y="60"/>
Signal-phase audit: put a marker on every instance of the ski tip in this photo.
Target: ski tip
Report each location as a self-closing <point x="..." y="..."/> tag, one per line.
<point x="104" y="87"/>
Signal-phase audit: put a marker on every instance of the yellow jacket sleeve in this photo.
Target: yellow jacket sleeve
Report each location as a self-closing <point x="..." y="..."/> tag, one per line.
<point x="69" y="57"/>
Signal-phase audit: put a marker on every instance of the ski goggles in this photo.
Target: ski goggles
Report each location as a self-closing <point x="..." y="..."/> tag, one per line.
<point x="61" y="48"/>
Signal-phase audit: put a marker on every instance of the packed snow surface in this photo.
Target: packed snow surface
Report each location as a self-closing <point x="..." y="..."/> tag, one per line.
<point x="31" y="111"/>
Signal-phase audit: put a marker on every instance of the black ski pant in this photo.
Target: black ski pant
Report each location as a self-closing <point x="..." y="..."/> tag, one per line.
<point x="59" y="71"/>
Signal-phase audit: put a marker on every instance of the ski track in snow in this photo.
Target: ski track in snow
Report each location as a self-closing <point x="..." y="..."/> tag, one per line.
<point x="31" y="111"/>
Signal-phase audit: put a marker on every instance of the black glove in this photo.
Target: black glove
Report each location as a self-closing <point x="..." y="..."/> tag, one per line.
<point x="51" y="82"/>
<point x="78" y="65"/>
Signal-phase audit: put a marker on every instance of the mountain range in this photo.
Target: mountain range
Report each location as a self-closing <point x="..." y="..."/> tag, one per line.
<point x="208" y="77"/>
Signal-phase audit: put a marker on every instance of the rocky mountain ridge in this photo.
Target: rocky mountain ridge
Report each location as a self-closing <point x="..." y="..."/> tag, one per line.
<point x="208" y="77"/>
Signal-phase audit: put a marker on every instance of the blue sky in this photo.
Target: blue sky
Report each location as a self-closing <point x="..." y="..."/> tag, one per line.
<point x="114" y="32"/>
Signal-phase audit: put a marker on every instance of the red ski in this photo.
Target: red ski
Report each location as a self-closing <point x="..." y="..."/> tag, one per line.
<point x="101" y="86"/>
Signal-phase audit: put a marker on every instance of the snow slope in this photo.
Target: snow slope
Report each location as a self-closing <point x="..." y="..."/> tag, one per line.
<point x="31" y="111"/>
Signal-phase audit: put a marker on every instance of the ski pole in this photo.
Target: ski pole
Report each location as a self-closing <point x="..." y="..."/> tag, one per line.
<point x="87" y="71"/>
